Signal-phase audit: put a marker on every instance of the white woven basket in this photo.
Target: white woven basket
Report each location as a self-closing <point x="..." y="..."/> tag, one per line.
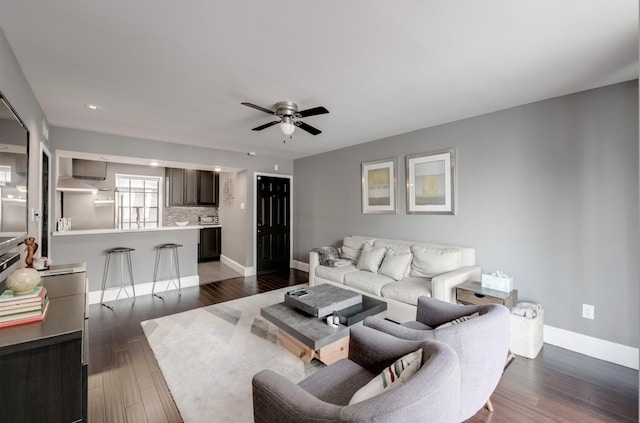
<point x="526" y="334"/>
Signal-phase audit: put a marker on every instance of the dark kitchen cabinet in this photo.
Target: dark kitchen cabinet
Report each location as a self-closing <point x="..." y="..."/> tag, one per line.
<point x="175" y="186"/>
<point x="210" y="246"/>
<point x="208" y="187"/>
<point x="189" y="187"/>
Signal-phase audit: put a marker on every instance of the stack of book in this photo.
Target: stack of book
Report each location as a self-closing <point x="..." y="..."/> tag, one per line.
<point x="23" y="308"/>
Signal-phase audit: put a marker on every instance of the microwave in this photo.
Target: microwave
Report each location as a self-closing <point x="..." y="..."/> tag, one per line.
<point x="208" y="220"/>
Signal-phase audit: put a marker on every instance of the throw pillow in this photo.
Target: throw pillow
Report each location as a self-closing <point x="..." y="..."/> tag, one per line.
<point x="459" y="320"/>
<point x="394" y="375"/>
<point x="395" y="264"/>
<point x="431" y="261"/>
<point x="370" y="258"/>
<point x="352" y="247"/>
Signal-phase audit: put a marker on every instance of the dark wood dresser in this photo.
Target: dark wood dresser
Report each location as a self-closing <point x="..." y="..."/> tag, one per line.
<point x="43" y="366"/>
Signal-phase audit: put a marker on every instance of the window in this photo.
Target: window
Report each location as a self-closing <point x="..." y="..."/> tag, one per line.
<point x="138" y="201"/>
<point x="5" y="175"/>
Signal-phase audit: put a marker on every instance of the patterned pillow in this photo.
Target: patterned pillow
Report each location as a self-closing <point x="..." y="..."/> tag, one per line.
<point x="459" y="320"/>
<point x="394" y="375"/>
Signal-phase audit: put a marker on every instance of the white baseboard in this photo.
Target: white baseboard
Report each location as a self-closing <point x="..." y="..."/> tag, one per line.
<point x="300" y="265"/>
<point x="244" y="271"/>
<point x="593" y="347"/>
<point x="142" y="289"/>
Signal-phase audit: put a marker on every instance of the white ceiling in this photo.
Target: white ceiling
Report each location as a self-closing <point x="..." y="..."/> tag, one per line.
<point x="177" y="70"/>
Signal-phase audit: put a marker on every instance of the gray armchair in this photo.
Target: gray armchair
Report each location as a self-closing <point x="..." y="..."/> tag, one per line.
<point x="430" y="395"/>
<point x="482" y="344"/>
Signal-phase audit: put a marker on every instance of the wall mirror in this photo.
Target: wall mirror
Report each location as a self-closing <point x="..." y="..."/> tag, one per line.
<point x="14" y="171"/>
<point x="45" y="194"/>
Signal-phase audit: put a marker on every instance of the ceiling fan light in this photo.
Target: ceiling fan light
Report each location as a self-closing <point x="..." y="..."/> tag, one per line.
<point x="286" y="126"/>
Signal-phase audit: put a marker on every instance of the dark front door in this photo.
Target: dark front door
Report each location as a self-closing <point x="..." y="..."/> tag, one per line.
<point x="273" y="223"/>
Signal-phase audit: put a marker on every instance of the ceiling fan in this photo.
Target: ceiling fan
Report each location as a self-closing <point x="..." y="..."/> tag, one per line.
<point x="288" y="115"/>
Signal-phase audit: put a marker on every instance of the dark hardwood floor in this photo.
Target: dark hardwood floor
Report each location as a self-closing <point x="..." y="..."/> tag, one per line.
<point x="126" y="385"/>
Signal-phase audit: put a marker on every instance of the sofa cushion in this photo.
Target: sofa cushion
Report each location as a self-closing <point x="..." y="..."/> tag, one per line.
<point x="352" y="246"/>
<point x="395" y="374"/>
<point x="345" y="374"/>
<point x="407" y="290"/>
<point x="366" y="281"/>
<point x="415" y="325"/>
<point x="334" y="274"/>
<point x="395" y="265"/>
<point x="397" y="246"/>
<point x="370" y="258"/>
<point x="430" y="261"/>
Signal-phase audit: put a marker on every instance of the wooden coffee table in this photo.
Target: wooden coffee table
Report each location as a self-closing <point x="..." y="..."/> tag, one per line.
<point x="309" y="337"/>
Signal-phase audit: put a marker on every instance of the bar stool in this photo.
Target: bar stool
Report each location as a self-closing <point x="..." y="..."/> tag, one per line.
<point x="173" y="262"/>
<point x="122" y="252"/>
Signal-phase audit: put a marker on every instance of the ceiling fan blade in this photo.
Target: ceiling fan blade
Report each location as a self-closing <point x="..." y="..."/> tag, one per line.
<point x="312" y="112"/>
<point x="262" y="109"/>
<point x="310" y="129"/>
<point x="265" y="126"/>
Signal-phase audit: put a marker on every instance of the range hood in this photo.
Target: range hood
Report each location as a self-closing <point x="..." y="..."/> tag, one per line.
<point x="89" y="169"/>
<point x="69" y="184"/>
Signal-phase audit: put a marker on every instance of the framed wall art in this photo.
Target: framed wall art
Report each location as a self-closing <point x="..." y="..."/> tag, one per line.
<point x="431" y="183"/>
<point x="379" y="186"/>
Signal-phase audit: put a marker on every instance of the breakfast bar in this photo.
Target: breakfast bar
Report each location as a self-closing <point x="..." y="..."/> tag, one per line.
<point x="89" y="246"/>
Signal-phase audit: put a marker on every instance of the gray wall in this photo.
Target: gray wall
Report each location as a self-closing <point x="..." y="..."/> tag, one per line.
<point x="76" y="140"/>
<point x="16" y="89"/>
<point x="547" y="192"/>
<point x="233" y="217"/>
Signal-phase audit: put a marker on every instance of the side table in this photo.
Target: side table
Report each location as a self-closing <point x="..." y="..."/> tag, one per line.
<point x="473" y="293"/>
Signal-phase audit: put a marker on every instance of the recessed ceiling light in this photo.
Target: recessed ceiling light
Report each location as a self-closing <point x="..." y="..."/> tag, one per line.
<point x="217" y="169"/>
<point x="251" y="153"/>
<point x="153" y="163"/>
<point x="93" y="106"/>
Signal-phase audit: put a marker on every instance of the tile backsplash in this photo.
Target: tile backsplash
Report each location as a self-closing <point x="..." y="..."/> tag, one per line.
<point x="186" y="214"/>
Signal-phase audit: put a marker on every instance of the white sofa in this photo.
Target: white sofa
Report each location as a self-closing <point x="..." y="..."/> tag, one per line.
<point x="434" y="270"/>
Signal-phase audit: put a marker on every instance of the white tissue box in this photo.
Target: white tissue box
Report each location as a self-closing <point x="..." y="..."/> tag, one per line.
<point x="499" y="283"/>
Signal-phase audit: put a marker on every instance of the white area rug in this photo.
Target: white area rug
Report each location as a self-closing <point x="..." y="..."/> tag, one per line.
<point x="209" y="355"/>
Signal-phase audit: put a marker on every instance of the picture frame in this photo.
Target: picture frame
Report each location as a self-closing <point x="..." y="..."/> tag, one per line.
<point x="431" y="182"/>
<point x="379" y="194"/>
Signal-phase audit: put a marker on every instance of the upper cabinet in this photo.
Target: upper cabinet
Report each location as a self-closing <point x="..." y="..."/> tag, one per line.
<point x="188" y="187"/>
<point x="191" y="187"/>
<point x="175" y="187"/>
<point x="208" y="187"/>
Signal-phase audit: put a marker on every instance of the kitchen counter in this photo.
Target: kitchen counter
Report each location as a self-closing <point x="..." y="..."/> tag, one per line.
<point x="89" y="246"/>
<point x="128" y="231"/>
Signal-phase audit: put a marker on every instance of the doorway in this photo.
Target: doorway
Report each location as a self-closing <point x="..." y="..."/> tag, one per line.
<point x="273" y="223"/>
